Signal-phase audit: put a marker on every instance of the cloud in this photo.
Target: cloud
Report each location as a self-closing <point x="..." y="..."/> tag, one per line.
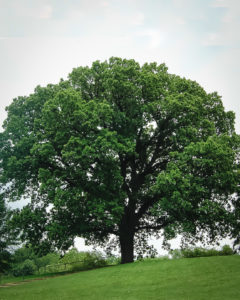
<point x="105" y="3"/>
<point x="45" y="12"/>
<point x="213" y="39"/>
<point x="232" y="13"/>
<point x="25" y="17"/>
<point x="227" y="33"/>
<point x="33" y="9"/>
<point x="221" y="74"/>
<point x="155" y="37"/>
<point x="60" y="35"/>
<point x="138" y="19"/>
<point x="220" y="3"/>
<point x="181" y="21"/>
<point x="182" y="3"/>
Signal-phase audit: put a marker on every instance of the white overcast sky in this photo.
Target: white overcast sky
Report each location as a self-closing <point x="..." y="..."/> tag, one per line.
<point x="41" y="41"/>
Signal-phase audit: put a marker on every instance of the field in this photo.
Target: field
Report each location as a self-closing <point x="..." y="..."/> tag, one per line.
<point x="189" y="279"/>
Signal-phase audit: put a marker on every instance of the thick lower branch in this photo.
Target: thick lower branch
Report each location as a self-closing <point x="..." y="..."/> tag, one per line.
<point x="150" y="228"/>
<point x="163" y="223"/>
<point x="147" y="203"/>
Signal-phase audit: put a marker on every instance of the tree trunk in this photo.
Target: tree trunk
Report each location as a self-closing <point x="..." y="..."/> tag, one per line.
<point x="126" y="244"/>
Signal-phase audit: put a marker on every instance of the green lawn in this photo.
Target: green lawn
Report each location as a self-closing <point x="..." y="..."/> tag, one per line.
<point x="206" y="278"/>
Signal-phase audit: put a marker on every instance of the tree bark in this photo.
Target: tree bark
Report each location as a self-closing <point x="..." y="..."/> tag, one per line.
<point x="126" y="245"/>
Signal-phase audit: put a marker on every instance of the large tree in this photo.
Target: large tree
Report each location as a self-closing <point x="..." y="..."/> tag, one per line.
<point x="120" y="150"/>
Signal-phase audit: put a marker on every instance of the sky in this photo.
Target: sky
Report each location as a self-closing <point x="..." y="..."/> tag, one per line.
<point x="41" y="41"/>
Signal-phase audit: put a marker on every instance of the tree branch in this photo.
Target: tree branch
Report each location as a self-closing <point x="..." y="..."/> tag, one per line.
<point x="164" y="223"/>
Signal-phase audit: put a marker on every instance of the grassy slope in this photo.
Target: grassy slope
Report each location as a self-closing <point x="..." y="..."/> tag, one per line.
<point x="197" y="278"/>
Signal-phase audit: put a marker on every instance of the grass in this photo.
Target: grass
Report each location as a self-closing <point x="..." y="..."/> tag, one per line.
<point x="189" y="279"/>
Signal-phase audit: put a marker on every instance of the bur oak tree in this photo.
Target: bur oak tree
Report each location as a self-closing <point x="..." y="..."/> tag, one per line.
<point x="120" y="150"/>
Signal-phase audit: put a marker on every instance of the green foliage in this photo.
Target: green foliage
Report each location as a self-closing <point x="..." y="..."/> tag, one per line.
<point x="78" y="261"/>
<point x="25" y="268"/>
<point x="235" y="233"/>
<point x="200" y="252"/>
<point x="7" y="238"/>
<point x="120" y="150"/>
<point x="113" y="260"/>
<point x="26" y="262"/>
<point x="227" y="250"/>
<point x="25" y="258"/>
<point x="49" y="259"/>
<point x="176" y="253"/>
<point x="93" y="260"/>
<point x="22" y="254"/>
<point x="73" y="255"/>
<point x="5" y="261"/>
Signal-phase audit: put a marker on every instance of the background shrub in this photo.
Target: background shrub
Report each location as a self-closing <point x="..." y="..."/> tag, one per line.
<point x="226" y="250"/>
<point x="90" y="260"/>
<point x="93" y="260"/>
<point x="5" y="261"/>
<point x="200" y="252"/>
<point x="176" y="254"/>
<point x="113" y="260"/>
<point x="26" y="268"/>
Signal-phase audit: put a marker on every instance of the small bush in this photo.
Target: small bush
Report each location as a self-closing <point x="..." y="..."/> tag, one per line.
<point x="90" y="260"/>
<point x="188" y="253"/>
<point x="113" y="260"/>
<point x="176" y="254"/>
<point x="211" y="252"/>
<point x="94" y="260"/>
<point x="5" y="261"/>
<point x="71" y="256"/>
<point x="226" y="250"/>
<point x="78" y="266"/>
<point x="200" y="252"/>
<point x="26" y="268"/>
<point x="163" y="257"/>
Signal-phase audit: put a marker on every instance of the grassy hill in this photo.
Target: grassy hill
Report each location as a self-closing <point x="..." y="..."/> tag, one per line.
<point x="189" y="279"/>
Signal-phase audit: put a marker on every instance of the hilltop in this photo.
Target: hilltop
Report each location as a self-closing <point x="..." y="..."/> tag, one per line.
<point x="194" y="279"/>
